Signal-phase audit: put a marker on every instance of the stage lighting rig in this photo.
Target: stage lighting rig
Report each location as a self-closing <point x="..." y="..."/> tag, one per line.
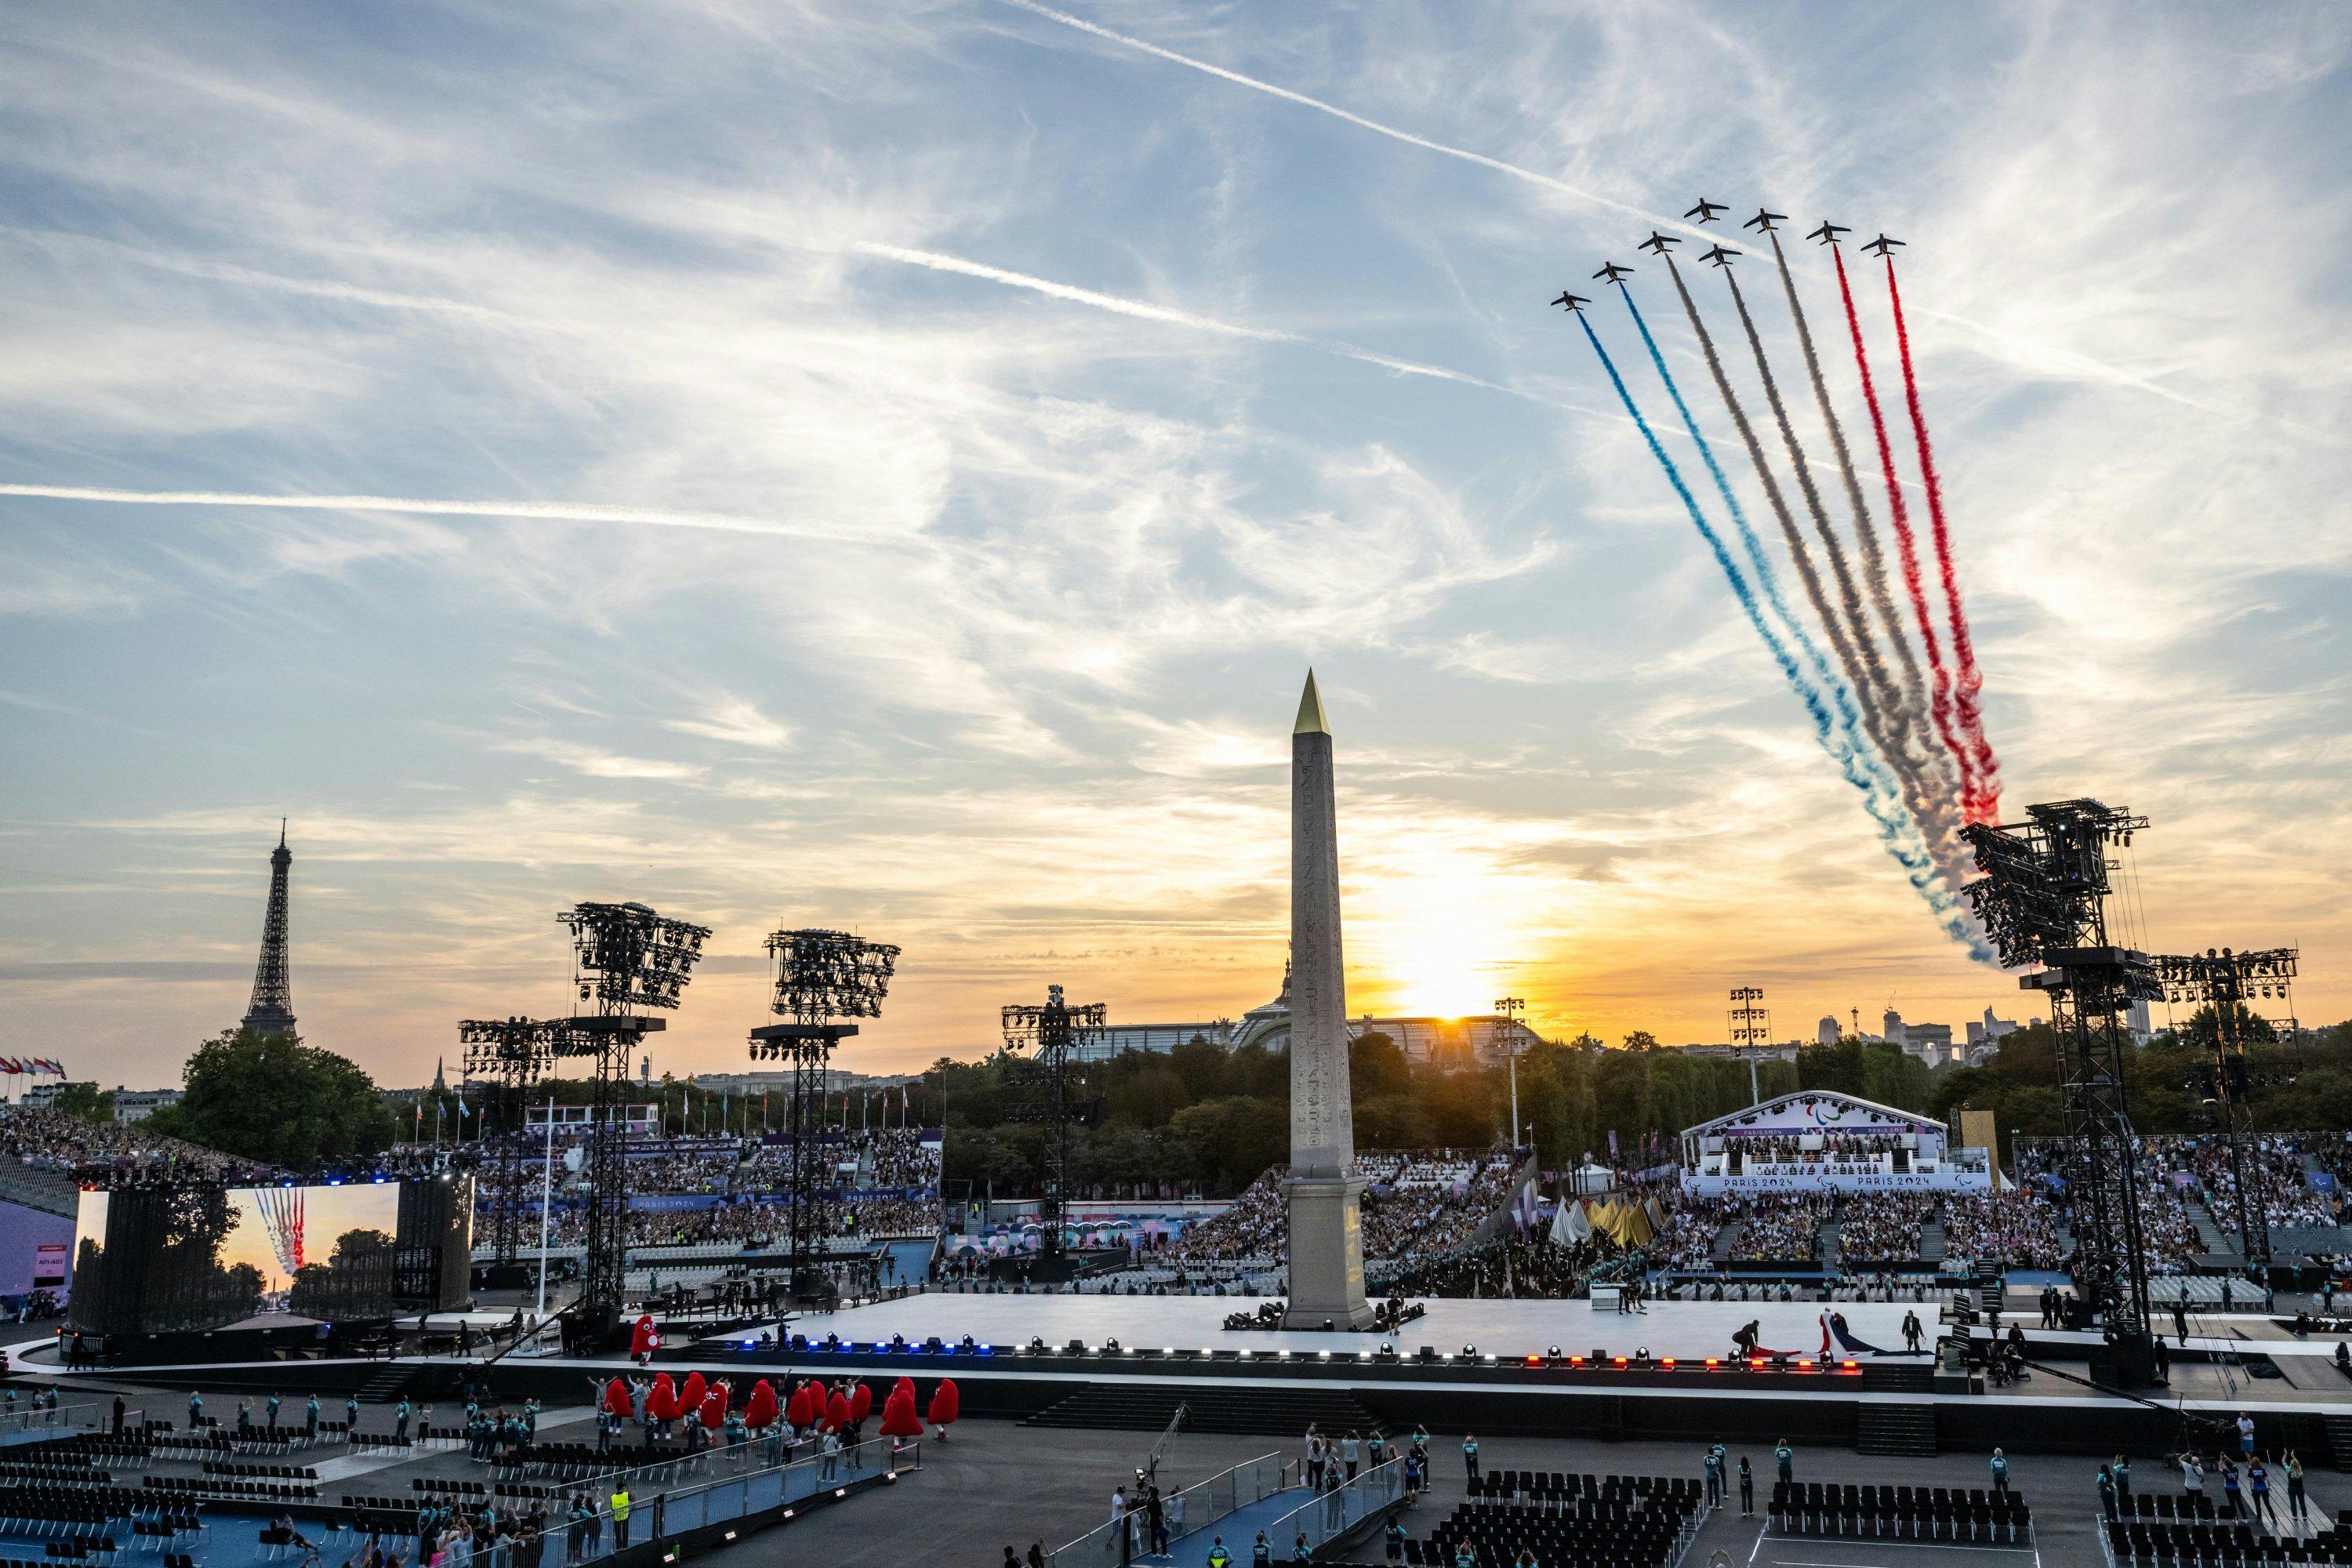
<point x="2042" y="901"/>
<point x="1056" y="1038"/>
<point x="511" y="1055"/>
<point x="820" y="977"/>
<point x="624" y="957"/>
<point x="2224" y="982"/>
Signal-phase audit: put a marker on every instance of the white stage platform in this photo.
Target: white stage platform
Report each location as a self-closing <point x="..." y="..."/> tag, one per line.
<point x="1685" y="1330"/>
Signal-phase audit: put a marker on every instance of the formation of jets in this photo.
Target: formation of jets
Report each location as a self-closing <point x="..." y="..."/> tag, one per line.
<point x="1764" y="222"/>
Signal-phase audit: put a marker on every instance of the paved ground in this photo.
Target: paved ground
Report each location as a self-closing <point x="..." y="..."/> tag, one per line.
<point x="997" y="1484"/>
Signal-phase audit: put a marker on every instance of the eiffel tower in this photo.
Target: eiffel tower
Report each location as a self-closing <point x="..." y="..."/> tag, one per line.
<point x="272" y="1012"/>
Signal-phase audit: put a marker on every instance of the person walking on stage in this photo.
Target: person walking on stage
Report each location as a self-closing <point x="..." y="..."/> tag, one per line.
<point x="1712" y="1464"/>
<point x="1470" y="1459"/>
<point x="2258" y="1494"/>
<point x="2120" y="1469"/>
<point x="2298" y="1506"/>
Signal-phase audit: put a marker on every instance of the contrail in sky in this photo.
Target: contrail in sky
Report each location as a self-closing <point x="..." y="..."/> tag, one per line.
<point x="1144" y="311"/>
<point x="2101" y="371"/>
<point x="550" y="511"/>
<point x="1374" y="126"/>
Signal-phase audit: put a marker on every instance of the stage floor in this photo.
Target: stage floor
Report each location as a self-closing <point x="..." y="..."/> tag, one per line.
<point x="1686" y="1330"/>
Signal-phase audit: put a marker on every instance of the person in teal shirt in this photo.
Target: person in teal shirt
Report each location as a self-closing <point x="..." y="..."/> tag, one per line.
<point x="1395" y="1536"/>
<point x="310" y="1416"/>
<point x="1786" y="1457"/>
<point x="196" y="1408"/>
<point x="2001" y="1472"/>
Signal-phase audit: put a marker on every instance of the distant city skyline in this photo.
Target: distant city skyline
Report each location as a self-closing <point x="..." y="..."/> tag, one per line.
<point x="889" y="468"/>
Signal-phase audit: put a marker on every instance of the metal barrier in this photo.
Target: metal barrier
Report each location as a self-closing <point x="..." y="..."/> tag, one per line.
<point x="655" y="1514"/>
<point x="1334" y="1513"/>
<point x="64" y="1419"/>
<point x="1195" y="1508"/>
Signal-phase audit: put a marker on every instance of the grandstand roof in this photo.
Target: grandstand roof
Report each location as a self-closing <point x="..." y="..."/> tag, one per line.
<point x="1816" y="1110"/>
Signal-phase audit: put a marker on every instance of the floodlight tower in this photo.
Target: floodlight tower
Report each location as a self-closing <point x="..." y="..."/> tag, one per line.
<point x="1751" y="1026"/>
<point x="1057" y="1038"/>
<point x="820" y="977"/>
<point x="511" y="1055"/>
<point x="2042" y="900"/>
<point x="1511" y="1009"/>
<point x="2225" y="982"/>
<point x="625" y="958"/>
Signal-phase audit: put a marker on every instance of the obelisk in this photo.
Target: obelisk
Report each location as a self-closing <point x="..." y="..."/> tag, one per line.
<point x="1327" y="1244"/>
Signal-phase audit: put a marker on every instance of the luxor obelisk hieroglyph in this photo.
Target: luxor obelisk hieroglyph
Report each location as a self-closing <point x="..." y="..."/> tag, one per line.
<point x="1327" y="1244"/>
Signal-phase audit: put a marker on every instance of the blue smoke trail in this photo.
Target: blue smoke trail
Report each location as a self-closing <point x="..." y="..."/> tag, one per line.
<point x="1766" y="578"/>
<point x="1898" y="833"/>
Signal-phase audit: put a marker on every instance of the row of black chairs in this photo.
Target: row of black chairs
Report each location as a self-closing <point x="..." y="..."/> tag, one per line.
<point x="222" y="1487"/>
<point x="80" y="1473"/>
<point x="1903" y="1513"/>
<point x="1673" y="1490"/>
<point x="2161" y="1544"/>
<point x="1497" y="1535"/>
<point x="260" y="1472"/>
<point x="50" y="1508"/>
<point x="83" y="1549"/>
<point x="444" y="1487"/>
<point x="167" y="1527"/>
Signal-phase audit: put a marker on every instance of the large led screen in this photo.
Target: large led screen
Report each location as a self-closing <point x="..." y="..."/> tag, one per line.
<point x="155" y="1260"/>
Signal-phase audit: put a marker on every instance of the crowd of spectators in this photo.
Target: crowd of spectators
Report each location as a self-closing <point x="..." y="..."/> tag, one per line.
<point x="1781" y="1149"/>
<point x="748" y="1179"/>
<point x="57" y="1141"/>
<point x="1688" y="1240"/>
<point x="1884" y="1228"/>
<point x="2011" y="1227"/>
<point x="1780" y="1227"/>
<point x="2275" y="1174"/>
<point x="1417" y="1206"/>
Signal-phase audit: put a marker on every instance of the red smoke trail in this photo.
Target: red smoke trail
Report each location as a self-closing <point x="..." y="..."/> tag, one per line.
<point x="1906" y="548"/>
<point x="1985" y="805"/>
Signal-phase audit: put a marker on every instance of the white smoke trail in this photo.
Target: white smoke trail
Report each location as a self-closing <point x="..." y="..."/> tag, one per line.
<point x="1141" y="310"/>
<point x="1501" y="167"/>
<point x="2021" y="351"/>
<point x="551" y="511"/>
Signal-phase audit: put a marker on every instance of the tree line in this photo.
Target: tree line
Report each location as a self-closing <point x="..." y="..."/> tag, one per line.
<point x="1201" y="1119"/>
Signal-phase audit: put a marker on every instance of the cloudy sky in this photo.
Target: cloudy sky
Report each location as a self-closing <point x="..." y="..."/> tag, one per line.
<point x="890" y="466"/>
